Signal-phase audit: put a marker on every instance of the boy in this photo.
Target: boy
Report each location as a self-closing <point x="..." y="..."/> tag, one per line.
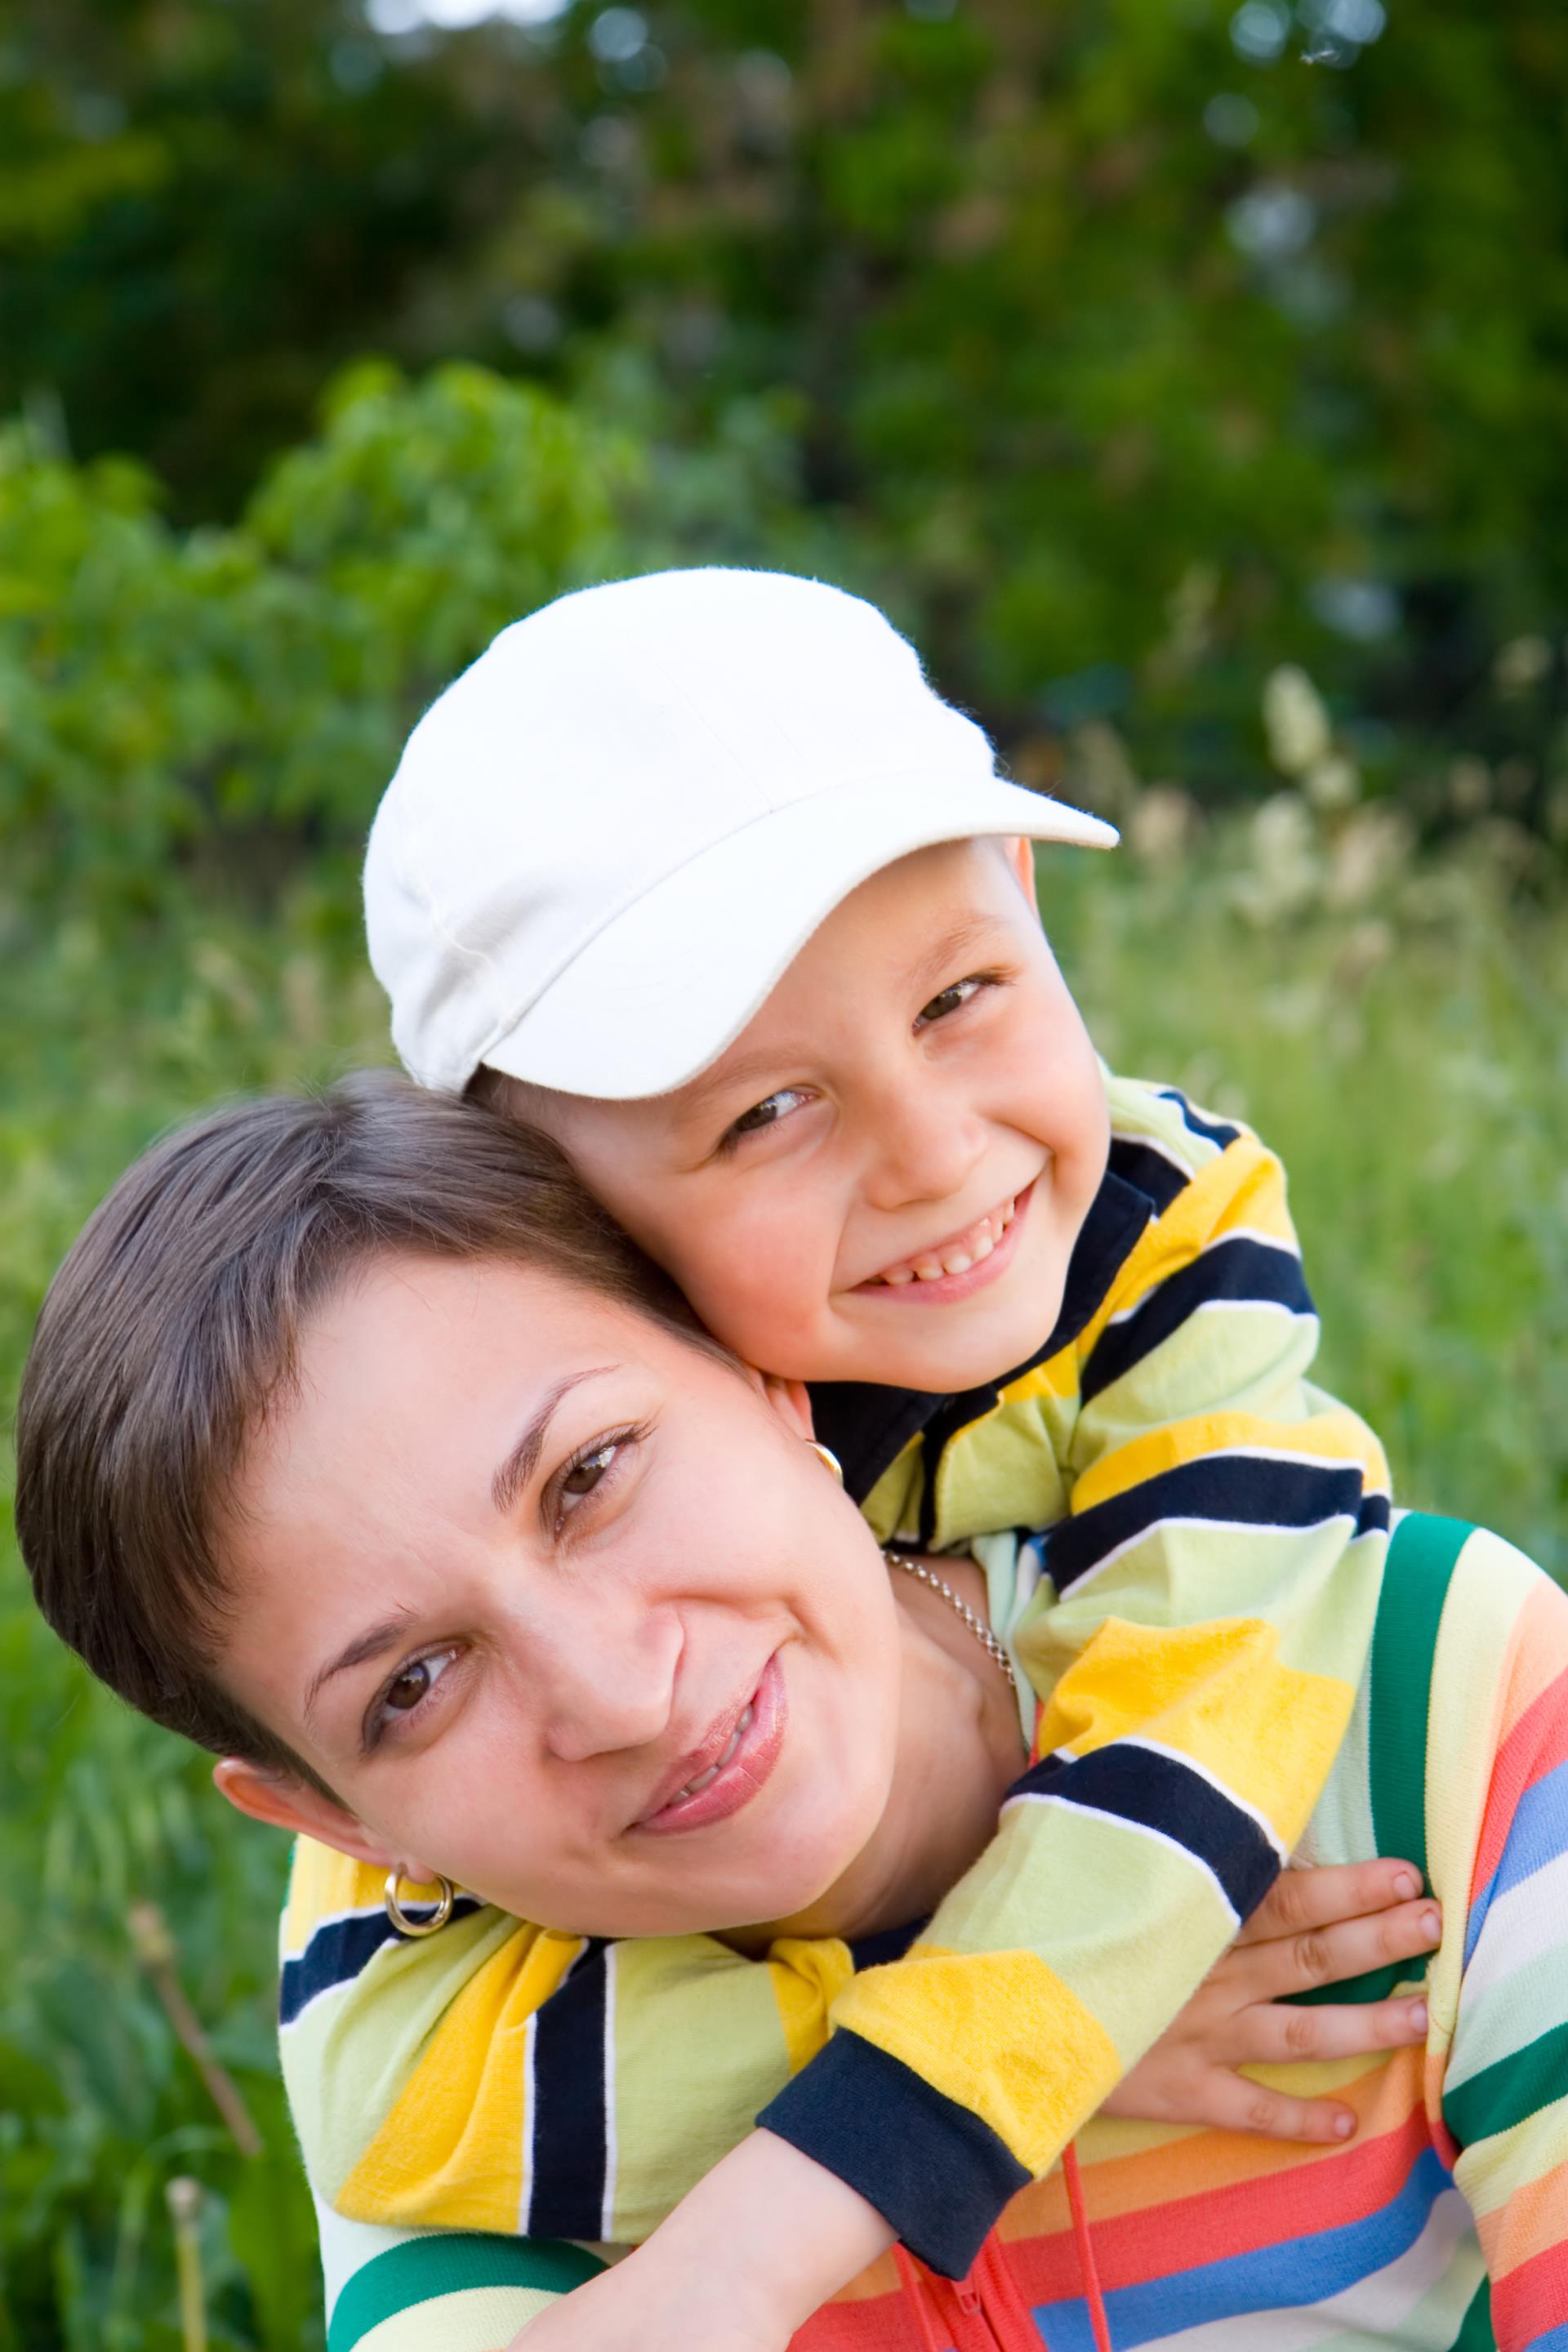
<point x="696" y="872"/>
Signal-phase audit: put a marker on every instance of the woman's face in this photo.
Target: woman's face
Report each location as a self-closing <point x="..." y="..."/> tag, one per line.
<point x="517" y="1569"/>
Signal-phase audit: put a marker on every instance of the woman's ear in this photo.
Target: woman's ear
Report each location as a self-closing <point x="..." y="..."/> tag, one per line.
<point x="269" y="1795"/>
<point x="792" y="1402"/>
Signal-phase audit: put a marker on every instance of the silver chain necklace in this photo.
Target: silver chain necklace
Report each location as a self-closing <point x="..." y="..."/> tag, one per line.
<point x="977" y="1626"/>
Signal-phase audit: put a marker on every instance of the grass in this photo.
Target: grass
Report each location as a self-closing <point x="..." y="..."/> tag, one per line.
<point x="1408" y="1056"/>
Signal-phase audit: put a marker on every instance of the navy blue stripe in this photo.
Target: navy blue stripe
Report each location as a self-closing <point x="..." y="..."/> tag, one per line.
<point x="930" y="2167"/>
<point x="1238" y="1268"/>
<point x="1255" y="1490"/>
<point x="569" y="2136"/>
<point x="1162" y="1792"/>
<point x="337" y="1952"/>
<point x="1214" y="1130"/>
<point x="1147" y="1172"/>
<point x="887" y="1944"/>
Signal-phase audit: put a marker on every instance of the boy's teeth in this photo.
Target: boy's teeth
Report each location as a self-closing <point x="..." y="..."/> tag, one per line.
<point x="695" y="1788"/>
<point x="974" y="1248"/>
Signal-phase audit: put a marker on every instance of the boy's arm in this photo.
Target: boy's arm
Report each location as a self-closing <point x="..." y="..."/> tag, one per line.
<point x="1499" y="1988"/>
<point x="1214" y="1587"/>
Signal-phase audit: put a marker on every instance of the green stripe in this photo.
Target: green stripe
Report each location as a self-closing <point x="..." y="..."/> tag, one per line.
<point x="1420" y="1566"/>
<point x="423" y="2268"/>
<point x="1476" y="2332"/>
<point x="1504" y="2094"/>
<point x="1422" y="1554"/>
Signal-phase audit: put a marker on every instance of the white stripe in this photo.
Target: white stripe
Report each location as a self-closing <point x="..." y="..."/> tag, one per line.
<point x="1372" y="2311"/>
<point x="525" y="2198"/>
<point x="347" y="2246"/>
<point x="1086" y="1577"/>
<point x="1177" y="1755"/>
<point x="607" y="2215"/>
<point x="1141" y="1829"/>
<point x="1529" y="1920"/>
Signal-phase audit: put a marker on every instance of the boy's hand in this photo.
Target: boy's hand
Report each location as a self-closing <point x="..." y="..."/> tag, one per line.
<point x="744" y="2260"/>
<point x="1314" y="1928"/>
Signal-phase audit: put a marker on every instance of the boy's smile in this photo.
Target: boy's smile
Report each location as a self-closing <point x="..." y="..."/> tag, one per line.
<point x="914" y="1117"/>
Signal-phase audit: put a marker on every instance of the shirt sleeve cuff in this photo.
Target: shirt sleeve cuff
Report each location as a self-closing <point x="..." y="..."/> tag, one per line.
<point x="931" y="2168"/>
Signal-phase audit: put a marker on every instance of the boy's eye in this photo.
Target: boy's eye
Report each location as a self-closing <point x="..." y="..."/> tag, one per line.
<point x="948" y="1000"/>
<point x="769" y="1111"/>
<point x="584" y="1473"/>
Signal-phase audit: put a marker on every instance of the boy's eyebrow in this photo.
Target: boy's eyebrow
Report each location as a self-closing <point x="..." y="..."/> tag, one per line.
<point x="509" y="1479"/>
<point x="726" y="1077"/>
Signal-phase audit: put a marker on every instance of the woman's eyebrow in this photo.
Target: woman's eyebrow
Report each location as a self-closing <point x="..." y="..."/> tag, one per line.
<point x="371" y="1643"/>
<point x="521" y="1463"/>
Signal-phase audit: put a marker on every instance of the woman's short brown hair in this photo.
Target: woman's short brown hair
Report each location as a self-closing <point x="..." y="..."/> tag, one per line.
<point x="174" y="1321"/>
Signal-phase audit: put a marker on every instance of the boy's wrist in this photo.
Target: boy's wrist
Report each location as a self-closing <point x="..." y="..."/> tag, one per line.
<point x="776" y="2229"/>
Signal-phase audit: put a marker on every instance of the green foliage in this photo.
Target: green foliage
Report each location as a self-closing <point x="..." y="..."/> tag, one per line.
<point x="1134" y="348"/>
<point x="162" y="692"/>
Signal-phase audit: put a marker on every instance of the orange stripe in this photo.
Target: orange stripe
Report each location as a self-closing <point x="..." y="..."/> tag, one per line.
<point x="1189" y="2163"/>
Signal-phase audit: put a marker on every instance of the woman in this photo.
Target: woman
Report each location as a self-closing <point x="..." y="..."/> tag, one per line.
<point x="355" y="1446"/>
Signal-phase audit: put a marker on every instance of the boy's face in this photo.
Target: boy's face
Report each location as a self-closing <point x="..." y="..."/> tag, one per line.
<point x="883" y="1177"/>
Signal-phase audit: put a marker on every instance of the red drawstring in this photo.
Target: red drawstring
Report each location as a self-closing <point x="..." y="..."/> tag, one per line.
<point x="915" y="2296"/>
<point x="1086" y="2261"/>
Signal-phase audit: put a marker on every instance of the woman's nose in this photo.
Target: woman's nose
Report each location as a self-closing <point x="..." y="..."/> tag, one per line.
<point x="599" y="1694"/>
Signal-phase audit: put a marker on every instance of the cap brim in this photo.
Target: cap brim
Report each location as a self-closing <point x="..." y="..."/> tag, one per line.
<point x="661" y="991"/>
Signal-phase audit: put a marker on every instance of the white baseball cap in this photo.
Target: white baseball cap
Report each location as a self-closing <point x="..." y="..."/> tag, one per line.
<point x="607" y="840"/>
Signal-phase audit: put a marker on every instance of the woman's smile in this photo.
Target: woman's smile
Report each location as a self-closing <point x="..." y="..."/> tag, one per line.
<point x="730" y="1767"/>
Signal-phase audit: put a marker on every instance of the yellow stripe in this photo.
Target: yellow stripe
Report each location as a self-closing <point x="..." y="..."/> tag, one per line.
<point x="321" y="1881"/>
<point x="450" y="2150"/>
<point x="1511" y="2163"/>
<point x="1332" y="1436"/>
<point x="1488" y="1594"/>
<point x="1216" y="1693"/>
<point x="807" y="1974"/>
<point x="939" y="2011"/>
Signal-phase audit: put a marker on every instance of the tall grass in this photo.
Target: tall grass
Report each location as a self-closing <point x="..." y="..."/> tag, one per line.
<point x="1405" y="1047"/>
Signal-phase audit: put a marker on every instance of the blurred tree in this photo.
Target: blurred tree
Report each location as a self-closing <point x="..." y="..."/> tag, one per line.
<point x="1127" y="344"/>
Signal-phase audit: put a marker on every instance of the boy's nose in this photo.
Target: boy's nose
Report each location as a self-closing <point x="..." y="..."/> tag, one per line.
<point x="922" y="1151"/>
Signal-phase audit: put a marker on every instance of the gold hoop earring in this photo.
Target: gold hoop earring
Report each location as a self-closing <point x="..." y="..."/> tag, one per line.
<point x="399" y="1917"/>
<point x="827" y="1457"/>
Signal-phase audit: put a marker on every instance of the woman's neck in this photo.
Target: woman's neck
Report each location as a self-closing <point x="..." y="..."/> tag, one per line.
<point x="959" y="1749"/>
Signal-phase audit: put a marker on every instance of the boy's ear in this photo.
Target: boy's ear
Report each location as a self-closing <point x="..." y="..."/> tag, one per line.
<point x="1019" y="852"/>
<point x="268" y="1795"/>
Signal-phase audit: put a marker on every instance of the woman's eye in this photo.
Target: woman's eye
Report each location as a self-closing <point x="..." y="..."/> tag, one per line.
<point x="412" y="1684"/>
<point x="948" y="1000"/>
<point x="770" y="1111"/>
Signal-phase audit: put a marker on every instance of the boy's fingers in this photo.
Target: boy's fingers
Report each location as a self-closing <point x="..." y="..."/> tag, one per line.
<point x="1243" y="2106"/>
<point x="1300" y="1900"/>
<point x="1272" y="2034"/>
<point x="1330" y="1955"/>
